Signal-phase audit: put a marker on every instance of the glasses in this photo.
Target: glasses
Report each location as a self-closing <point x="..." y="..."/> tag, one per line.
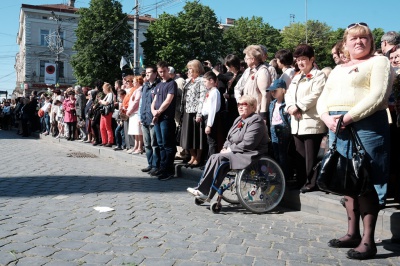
<point x="242" y="104"/>
<point x="352" y="25"/>
<point x="129" y="80"/>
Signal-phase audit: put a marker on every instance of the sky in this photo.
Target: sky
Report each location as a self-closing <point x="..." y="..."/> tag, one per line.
<point x="337" y="14"/>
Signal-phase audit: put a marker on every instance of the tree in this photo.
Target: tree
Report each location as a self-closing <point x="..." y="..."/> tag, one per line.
<point x="318" y="36"/>
<point x="103" y="36"/>
<point x="378" y="33"/>
<point x="193" y="34"/>
<point x="251" y="31"/>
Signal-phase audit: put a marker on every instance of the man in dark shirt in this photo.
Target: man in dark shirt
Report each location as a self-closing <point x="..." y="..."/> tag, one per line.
<point x="146" y="119"/>
<point x="163" y="110"/>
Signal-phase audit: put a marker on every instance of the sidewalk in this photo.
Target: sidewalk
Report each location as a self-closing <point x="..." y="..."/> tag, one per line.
<point x="317" y="203"/>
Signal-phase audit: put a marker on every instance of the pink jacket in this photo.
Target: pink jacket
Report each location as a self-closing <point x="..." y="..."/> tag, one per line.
<point x="69" y="110"/>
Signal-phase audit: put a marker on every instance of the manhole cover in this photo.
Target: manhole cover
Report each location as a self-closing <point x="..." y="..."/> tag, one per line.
<point x="81" y="155"/>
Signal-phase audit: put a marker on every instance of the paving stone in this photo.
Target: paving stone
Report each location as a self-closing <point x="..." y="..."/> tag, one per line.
<point x="70" y="244"/>
<point x="150" y="252"/>
<point x="29" y="261"/>
<point x="96" y="259"/>
<point x="179" y="254"/>
<point x="208" y="256"/>
<point x="158" y="262"/>
<point x="95" y="247"/>
<point x="233" y="259"/>
<point x="68" y="255"/>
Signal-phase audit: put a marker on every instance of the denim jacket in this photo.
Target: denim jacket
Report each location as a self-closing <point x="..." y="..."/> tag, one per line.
<point x="284" y="115"/>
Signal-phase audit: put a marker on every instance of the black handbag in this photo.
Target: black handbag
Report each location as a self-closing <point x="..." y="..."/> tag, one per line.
<point x="342" y="176"/>
<point x="106" y="109"/>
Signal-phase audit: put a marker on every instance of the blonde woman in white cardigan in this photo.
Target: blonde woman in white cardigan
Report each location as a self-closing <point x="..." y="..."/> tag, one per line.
<point x="307" y="127"/>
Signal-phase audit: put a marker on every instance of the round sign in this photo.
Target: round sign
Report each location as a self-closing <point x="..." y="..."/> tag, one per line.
<point x="50" y="69"/>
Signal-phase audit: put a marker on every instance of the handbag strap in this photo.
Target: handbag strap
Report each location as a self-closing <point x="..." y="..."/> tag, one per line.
<point x="339" y="123"/>
<point x="357" y="145"/>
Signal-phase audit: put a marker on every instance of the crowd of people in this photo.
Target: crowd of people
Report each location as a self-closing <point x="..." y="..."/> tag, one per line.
<point x="237" y="111"/>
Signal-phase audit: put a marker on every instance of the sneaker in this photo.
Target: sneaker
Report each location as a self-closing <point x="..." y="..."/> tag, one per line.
<point x="165" y="176"/>
<point x="191" y="190"/>
<point x="152" y="171"/>
<point x="117" y="148"/>
<point x="195" y="192"/>
<point x="147" y="169"/>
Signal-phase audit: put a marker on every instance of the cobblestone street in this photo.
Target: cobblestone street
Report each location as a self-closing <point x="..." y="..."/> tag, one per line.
<point x="47" y="196"/>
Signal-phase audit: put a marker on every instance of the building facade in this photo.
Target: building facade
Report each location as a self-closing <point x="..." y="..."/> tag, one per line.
<point x="39" y="28"/>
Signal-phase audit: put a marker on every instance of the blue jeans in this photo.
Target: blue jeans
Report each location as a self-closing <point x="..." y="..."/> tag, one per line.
<point x="151" y="146"/>
<point x="120" y="136"/>
<point x="165" y="134"/>
<point x="46" y="119"/>
<point x="374" y="135"/>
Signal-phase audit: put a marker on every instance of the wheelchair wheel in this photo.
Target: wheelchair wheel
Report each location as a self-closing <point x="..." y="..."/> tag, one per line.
<point x="230" y="195"/>
<point x="215" y="207"/>
<point x="260" y="187"/>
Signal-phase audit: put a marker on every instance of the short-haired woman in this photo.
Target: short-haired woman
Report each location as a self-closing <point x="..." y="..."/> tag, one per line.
<point x="284" y="59"/>
<point x="307" y="127"/>
<point x="194" y="93"/>
<point x="255" y="80"/>
<point x="247" y="141"/>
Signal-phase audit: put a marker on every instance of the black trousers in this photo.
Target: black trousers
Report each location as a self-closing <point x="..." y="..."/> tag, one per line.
<point x="307" y="147"/>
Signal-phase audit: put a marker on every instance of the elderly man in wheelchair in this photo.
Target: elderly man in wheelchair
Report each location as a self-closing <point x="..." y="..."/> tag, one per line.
<point x="246" y="143"/>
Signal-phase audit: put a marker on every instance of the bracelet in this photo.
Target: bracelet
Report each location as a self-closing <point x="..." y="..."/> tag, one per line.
<point x="211" y="68"/>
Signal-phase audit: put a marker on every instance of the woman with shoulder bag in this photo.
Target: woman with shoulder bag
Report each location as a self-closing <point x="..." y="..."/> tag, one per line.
<point x="359" y="90"/>
<point x="107" y="134"/>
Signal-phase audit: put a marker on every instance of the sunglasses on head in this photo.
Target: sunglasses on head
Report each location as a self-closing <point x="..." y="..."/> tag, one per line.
<point x="352" y="25"/>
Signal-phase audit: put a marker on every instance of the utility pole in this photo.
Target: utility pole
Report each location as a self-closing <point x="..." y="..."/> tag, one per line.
<point x="136" y="40"/>
<point x="306" y="24"/>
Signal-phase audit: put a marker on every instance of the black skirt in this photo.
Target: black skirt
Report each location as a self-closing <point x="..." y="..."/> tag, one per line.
<point x="192" y="134"/>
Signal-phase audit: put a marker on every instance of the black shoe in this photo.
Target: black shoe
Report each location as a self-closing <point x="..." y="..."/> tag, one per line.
<point x="109" y="145"/>
<point x="157" y="172"/>
<point x="351" y="243"/>
<point x="118" y="149"/>
<point x="356" y="255"/>
<point x="165" y="176"/>
<point x="147" y="169"/>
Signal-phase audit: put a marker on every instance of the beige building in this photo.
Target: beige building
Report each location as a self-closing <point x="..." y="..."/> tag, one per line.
<point x="38" y="25"/>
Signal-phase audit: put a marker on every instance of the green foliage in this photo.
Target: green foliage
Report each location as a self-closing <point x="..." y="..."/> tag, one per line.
<point x="103" y="36"/>
<point x="193" y="34"/>
<point x="319" y="36"/>
<point x="251" y="31"/>
<point x="378" y="33"/>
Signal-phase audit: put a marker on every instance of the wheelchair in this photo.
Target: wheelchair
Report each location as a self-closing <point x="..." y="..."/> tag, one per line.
<point x="259" y="188"/>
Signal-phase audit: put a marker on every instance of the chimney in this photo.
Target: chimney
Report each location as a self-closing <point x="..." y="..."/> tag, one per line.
<point x="230" y="21"/>
<point x="71" y="3"/>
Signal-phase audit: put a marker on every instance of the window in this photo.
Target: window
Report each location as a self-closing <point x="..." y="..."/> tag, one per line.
<point x="43" y="34"/>
<point x="42" y="67"/>
<point x="61" y="69"/>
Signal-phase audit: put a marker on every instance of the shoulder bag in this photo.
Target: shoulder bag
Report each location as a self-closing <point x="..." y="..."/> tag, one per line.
<point x="343" y="176"/>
